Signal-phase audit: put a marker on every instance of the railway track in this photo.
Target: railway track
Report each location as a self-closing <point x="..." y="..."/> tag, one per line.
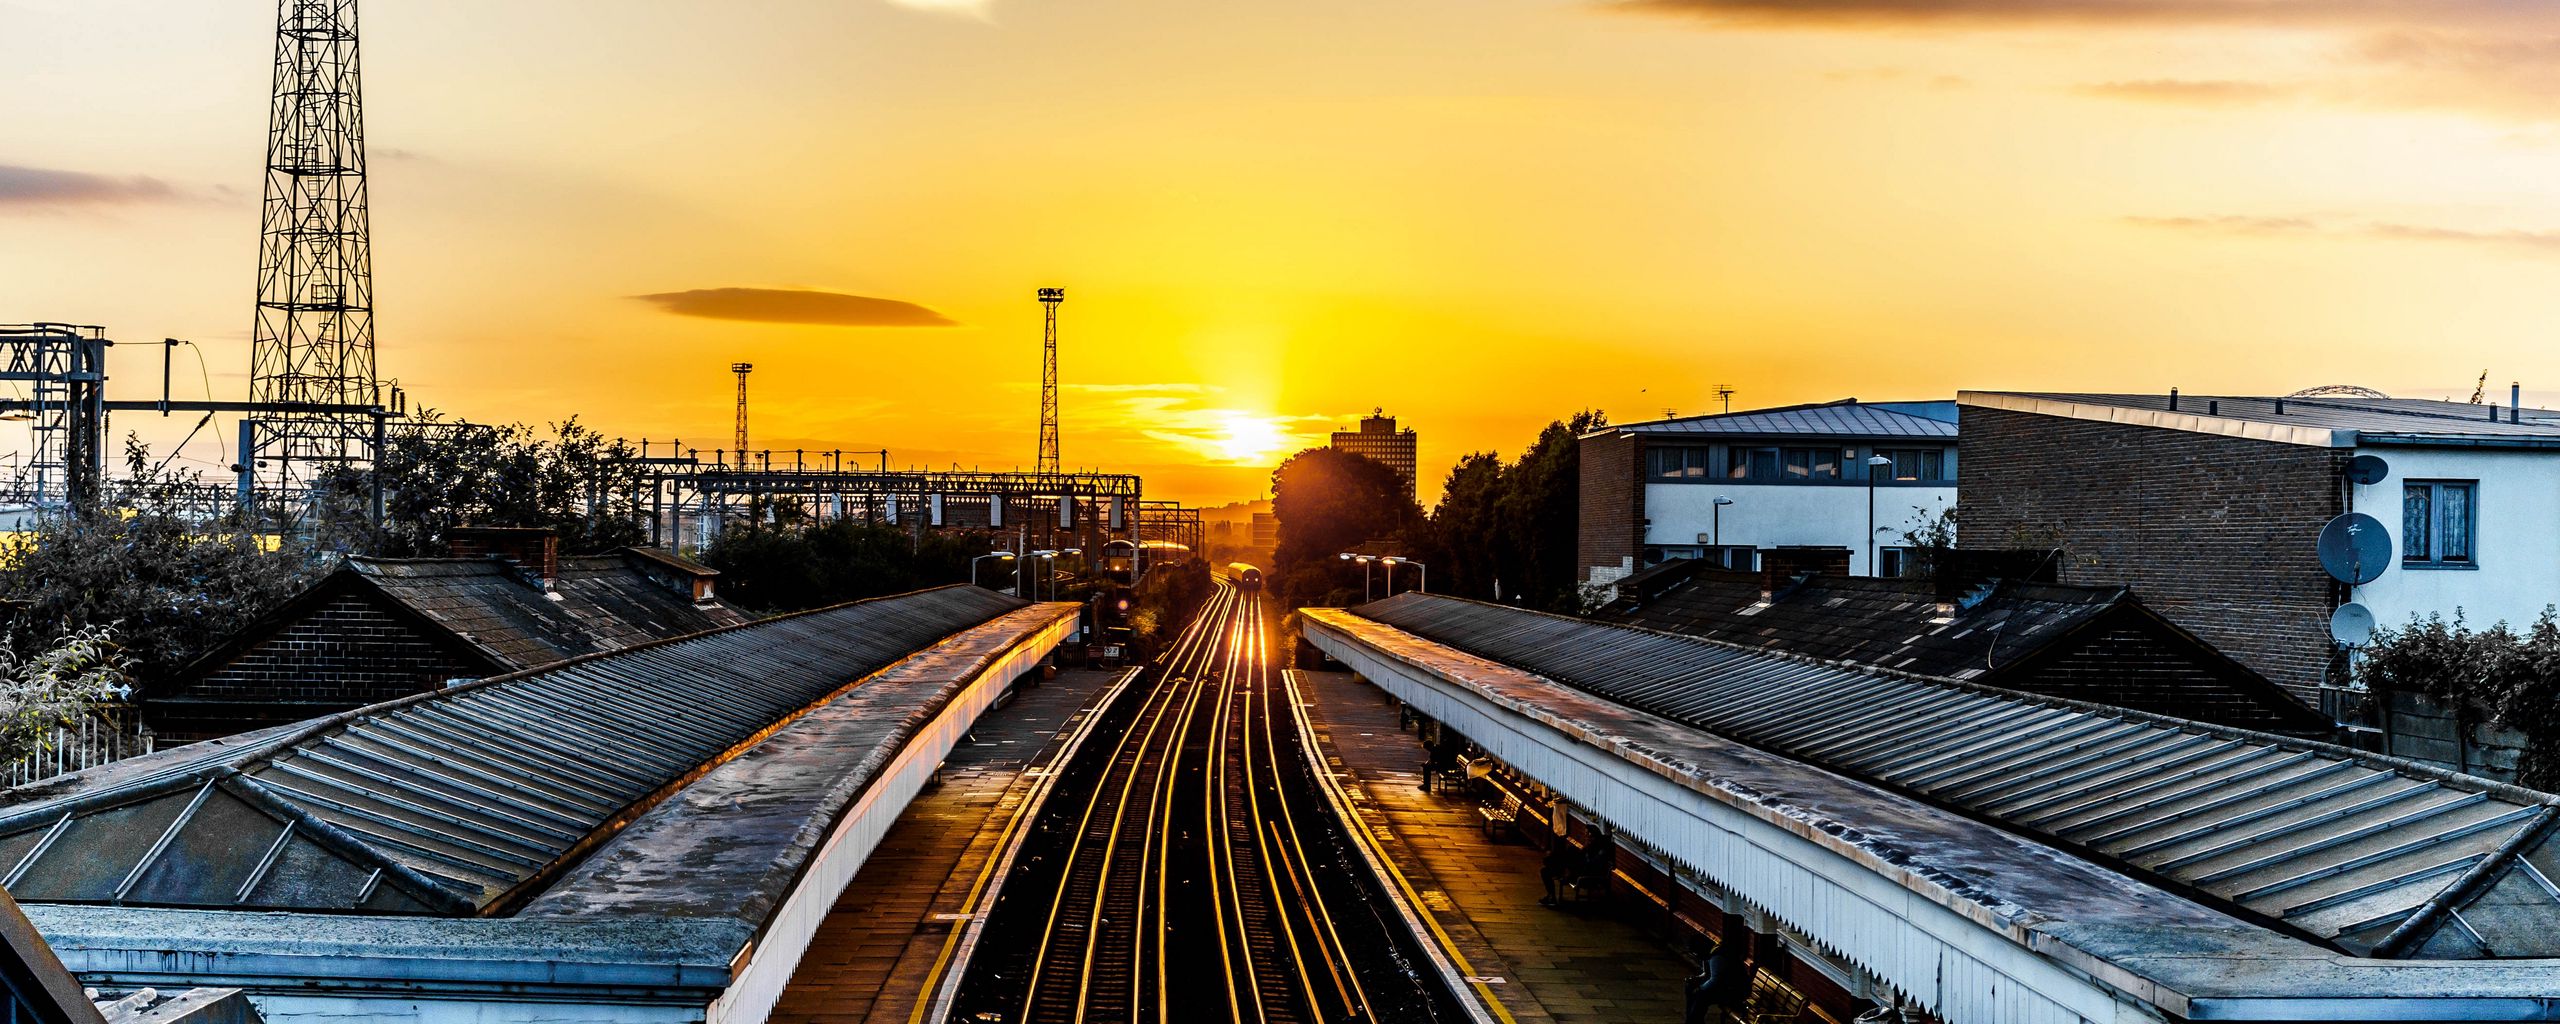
<point x="1190" y="872"/>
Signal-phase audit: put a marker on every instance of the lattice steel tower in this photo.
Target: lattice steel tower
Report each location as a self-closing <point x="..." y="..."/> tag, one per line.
<point x="1049" y="300"/>
<point x="742" y="369"/>
<point x="314" y="338"/>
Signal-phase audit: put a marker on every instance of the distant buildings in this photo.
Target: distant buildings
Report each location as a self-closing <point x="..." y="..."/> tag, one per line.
<point x="1379" y="441"/>
<point x="1820" y="487"/>
<point x="2211" y="507"/>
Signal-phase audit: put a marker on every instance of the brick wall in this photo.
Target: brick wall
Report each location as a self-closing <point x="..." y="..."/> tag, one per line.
<point x="1612" y="519"/>
<point x="345" y="653"/>
<point x="2215" y="533"/>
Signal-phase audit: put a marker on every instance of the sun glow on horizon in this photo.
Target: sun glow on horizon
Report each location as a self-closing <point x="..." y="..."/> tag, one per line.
<point x="1246" y="439"/>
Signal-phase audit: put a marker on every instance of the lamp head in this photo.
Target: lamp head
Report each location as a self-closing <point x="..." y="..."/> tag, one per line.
<point x="999" y="554"/>
<point x="1878" y="460"/>
<point x="1721" y="500"/>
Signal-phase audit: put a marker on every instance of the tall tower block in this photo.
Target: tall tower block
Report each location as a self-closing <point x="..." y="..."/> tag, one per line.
<point x="1049" y="300"/>
<point x="313" y="341"/>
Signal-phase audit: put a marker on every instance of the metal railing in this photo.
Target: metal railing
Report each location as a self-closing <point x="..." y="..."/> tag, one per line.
<point x="103" y="737"/>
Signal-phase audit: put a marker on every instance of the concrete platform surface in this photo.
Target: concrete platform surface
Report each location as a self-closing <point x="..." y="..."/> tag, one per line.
<point x="1571" y="965"/>
<point x="881" y="944"/>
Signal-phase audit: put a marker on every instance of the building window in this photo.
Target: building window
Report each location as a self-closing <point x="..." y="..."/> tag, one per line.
<point x="1658" y="554"/>
<point x="1893" y="561"/>
<point x="1782" y="465"/>
<point x="1676" y="463"/>
<point x="2438" y="521"/>
<point x="1742" y="557"/>
<point x="1813" y="464"/>
<point x="1913" y="464"/>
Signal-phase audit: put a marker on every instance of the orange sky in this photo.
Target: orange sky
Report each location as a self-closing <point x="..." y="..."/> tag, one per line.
<point x="1480" y="214"/>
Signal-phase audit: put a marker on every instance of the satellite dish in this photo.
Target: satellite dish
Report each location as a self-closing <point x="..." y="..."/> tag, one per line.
<point x="2367" y="469"/>
<point x="2355" y="548"/>
<point x="2351" y="624"/>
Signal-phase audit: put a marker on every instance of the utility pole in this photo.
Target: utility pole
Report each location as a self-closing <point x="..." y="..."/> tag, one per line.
<point x="313" y="340"/>
<point x="742" y="369"/>
<point x="1049" y="300"/>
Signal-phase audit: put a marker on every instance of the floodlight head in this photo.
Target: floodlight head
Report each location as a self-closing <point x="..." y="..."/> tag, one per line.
<point x="1053" y="295"/>
<point x="741" y="367"/>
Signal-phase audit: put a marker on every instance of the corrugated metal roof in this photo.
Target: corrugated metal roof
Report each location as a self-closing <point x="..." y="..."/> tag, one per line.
<point x="1834" y="419"/>
<point x="450" y="802"/>
<point x="2000" y="632"/>
<point x="2365" y="852"/>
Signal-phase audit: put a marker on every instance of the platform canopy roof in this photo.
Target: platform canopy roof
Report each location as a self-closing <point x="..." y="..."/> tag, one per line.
<point x="453" y="802"/>
<point x="2370" y="855"/>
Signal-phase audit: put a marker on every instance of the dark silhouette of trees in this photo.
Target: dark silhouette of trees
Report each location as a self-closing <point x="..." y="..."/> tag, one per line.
<point x="1328" y="502"/>
<point x="790" y="567"/>
<point x="576" y="482"/>
<point x="145" y="562"/>
<point x="1500" y="531"/>
<point x="1507" y="532"/>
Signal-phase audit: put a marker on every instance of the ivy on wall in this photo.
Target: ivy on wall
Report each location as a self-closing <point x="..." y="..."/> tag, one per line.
<point x="2498" y="675"/>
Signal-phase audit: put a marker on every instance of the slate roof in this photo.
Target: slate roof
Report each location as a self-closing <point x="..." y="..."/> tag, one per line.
<point x="605" y="603"/>
<point x="1998" y="632"/>
<point x="2372" y="855"/>
<point x="1847" y="418"/>
<point x="457" y="800"/>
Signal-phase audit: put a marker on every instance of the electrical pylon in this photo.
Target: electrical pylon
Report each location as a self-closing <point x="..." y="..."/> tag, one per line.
<point x="313" y="341"/>
<point x="1049" y="300"/>
<point x="742" y="369"/>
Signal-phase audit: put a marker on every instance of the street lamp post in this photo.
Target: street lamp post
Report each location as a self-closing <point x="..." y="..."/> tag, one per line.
<point x="1024" y="579"/>
<point x="1715" y="529"/>
<point x="1364" y="560"/>
<point x="973" y="564"/>
<point x="1391" y="574"/>
<point x="1873" y="462"/>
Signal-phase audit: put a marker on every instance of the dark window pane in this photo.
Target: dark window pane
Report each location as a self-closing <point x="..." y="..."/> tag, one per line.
<point x="1764" y="464"/>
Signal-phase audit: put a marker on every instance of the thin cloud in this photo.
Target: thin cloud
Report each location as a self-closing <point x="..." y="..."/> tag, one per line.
<point x="1866" y="14"/>
<point x="980" y="9"/>
<point x="2537" y="242"/>
<point x="2187" y="92"/>
<point x="795" y="306"/>
<point x="40" y="187"/>
<point x="2231" y="224"/>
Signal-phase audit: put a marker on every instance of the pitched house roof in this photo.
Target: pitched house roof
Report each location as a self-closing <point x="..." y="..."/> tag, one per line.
<point x="1844" y="418"/>
<point x="598" y="603"/>
<point x="2098" y="644"/>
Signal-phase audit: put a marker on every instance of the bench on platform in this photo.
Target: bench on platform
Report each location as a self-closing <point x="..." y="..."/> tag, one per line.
<point x="1505" y="813"/>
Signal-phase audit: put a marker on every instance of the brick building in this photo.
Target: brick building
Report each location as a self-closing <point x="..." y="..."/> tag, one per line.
<point x="1796" y="483"/>
<point x="1379" y="441"/>
<point x="2100" y="645"/>
<point x="2210" y="507"/>
<point x="381" y="628"/>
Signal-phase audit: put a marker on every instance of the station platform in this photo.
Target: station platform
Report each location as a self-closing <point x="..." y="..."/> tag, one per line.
<point x="1568" y="965"/>
<point x="883" y="944"/>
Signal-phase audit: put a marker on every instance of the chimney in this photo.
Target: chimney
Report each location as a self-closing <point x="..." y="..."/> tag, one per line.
<point x="2173" y="399"/>
<point x="2515" y="400"/>
<point x="533" y="550"/>
<point x="1768" y="580"/>
<point x="2279" y="407"/>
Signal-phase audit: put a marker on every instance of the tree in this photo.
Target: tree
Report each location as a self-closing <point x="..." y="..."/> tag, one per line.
<point x="577" y="483"/>
<point x="170" y="575"/>
<point x="1540" y="514"/>
<point x="1464" y="537"/>
<point x="786" y="567"/>
<point x="1328" y="502"/>
<point x="2496" y="675"/>
<point x="56" y="687"/>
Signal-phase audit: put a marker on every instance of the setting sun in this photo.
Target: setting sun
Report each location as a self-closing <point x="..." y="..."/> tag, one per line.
<point x="1250" y="440"/>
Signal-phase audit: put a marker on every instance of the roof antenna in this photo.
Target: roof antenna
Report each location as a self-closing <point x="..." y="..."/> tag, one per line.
<point x="1724" y="394"/>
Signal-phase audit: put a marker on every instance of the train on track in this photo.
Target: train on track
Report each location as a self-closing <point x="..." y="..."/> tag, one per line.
<point x="1245" y="575"/>
<point x="1117" y="556"/>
